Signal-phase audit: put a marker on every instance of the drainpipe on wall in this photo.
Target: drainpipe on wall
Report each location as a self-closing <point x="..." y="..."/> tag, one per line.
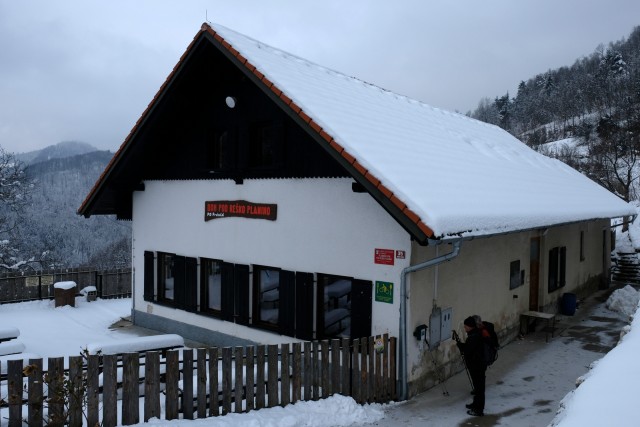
<point x="403" y="310"/>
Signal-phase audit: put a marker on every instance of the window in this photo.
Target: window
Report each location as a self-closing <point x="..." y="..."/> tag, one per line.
<point x="166" y="279"/>
<point x="334" y="306"/>
<point x="557" y="268"/>
<point x="582" y="257"/>
<point x="211" y="286"/>
<point x="265" y="142"/>
<point x="177" y="281"/>
<point x="221" y="150"/>
<point x="266" y="285"/>
<point x="516" y="276"/>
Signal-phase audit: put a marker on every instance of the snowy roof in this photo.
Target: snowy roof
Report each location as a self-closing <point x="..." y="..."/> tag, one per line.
<point x="457" y="174"/>
<point x="442" y="173"/>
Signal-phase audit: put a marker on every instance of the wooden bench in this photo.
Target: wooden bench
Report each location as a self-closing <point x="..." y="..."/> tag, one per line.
<point x="137" y="344"/>
<point x="549" y="317"/>
<point x="7" y="334"/>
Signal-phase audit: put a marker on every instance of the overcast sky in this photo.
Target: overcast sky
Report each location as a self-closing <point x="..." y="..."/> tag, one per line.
<point x="85" y="70"/>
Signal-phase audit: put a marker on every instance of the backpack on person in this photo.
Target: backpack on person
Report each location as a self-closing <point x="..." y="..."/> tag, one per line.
<point x="490" y="343"/>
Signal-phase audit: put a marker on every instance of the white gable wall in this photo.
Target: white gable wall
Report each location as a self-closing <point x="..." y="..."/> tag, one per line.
<point x="322" y="227"/>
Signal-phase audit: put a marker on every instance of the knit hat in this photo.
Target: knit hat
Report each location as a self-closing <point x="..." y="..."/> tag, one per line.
<point x="470" y="322"/>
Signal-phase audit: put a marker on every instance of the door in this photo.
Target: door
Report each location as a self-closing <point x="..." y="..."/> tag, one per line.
<point x="534" y="273"/>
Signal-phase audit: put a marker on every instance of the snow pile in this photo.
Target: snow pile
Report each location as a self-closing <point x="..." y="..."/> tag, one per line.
<point x="624" y="301"/>
<point x="336" y="410"/>
<point x="607" y="396"/>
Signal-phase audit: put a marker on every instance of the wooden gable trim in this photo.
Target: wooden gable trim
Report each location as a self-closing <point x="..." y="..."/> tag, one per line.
<point x="389" y="201"/>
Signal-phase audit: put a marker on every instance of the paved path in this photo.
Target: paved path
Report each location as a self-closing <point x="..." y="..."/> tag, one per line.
<point x="528" y="381"/>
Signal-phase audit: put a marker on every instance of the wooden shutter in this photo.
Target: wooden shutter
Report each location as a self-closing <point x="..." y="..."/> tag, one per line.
<point x="304" y="306"/>
<point x="287" y="303"/>
<point x="242" y="294"/>
<point x="563" y="266"/>
<point x="191" y="284"/>
<point x="179" y="285"/>
<point x="149" y="278"/>
<point x="361" y="296"/>
<point x="227" y="291"/>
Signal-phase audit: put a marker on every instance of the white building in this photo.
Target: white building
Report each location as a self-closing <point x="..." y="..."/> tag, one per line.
<point x="274" y="200"/>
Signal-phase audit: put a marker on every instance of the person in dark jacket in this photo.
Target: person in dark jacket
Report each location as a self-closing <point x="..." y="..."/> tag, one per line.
<point x="473" y="350"/>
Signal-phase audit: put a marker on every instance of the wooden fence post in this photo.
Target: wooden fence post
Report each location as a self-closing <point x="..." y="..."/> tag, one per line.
<point x="335" y="367"/>
<point x="297" y="373"/>
<point x="130" y="390"/>
<point x="326" y="387"/>
<point x="272" y="372"/>
<point x="75" y="391"/>
<point x="364" y="368"/>
<point x="226" y="379"/>
<point x="187" y="384"/>
<point x="214" y="400"/>
<point x="317" y="372"/>
<point x="93" y="389"/>
<point x="250" y="379"/>
<point x="171" y="391"/>
<point x="35" y="393"/>
<point x="356" y="392"/>
<point x="109" y="388"/>
<point x="14" y="380"/>
<point x="346" y="368"/>
<point x="151" y="385"/>
<point x="260" y="385"/>
<point x="285" y="388"/>
<point x="56" y="392"/>
<point x="201" y="387"/>
<point x="239" y="377"/>
<point x="308" y="372"/>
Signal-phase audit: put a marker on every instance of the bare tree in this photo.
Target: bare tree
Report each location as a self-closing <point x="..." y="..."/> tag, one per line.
<point x="15" y="190"/>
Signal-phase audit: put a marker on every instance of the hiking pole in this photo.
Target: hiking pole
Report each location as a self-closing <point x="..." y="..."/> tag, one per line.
<point x="466" y="368"/>
<point x="438" y="370"/>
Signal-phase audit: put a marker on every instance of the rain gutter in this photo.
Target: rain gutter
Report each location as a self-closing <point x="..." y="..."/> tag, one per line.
<point x="402" y="362"/>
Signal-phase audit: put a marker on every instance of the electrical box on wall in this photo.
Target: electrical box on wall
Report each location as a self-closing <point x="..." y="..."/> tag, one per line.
<point x="440" y="326"/>
<point x="445" y="324"/>
<point x="435" y="328"/>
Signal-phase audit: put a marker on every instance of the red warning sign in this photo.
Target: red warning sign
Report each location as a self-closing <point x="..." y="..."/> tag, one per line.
<point x="383" y="256"/>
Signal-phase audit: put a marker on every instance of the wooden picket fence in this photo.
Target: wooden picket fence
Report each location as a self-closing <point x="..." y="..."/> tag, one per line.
<point x="112" y="390"/>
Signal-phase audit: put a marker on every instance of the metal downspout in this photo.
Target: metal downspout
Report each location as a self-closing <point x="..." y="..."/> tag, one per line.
<point x="403" y="310"/>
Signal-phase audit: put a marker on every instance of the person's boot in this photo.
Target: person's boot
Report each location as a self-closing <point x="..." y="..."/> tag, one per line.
<point x="475" y="412"/>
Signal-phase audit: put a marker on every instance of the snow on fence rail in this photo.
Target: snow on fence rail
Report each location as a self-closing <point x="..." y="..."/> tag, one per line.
<point x="99" y="389"/>
<point x="17" y="287"/>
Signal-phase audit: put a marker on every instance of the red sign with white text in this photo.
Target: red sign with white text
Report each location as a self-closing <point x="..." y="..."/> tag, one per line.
<point x="239" y="208"/>
<point x="383" y="256"/>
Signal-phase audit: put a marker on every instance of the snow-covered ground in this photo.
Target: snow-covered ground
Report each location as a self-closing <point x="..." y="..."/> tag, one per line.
<point x="605" y="396"/>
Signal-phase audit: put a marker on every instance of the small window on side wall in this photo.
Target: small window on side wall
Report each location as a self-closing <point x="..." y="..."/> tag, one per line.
<point x="582" y="257"/>
<point x="516" y="276"/>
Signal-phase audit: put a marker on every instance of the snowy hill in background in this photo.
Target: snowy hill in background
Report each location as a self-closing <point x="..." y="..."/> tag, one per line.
<point x="57" y="151"/>
<point x="63" y="175"/>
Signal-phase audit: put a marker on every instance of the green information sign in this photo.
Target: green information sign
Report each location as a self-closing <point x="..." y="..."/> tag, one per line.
<point x="384" y="292"/>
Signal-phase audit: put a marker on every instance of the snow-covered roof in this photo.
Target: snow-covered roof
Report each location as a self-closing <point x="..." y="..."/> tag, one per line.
<point x="453" y="174"/>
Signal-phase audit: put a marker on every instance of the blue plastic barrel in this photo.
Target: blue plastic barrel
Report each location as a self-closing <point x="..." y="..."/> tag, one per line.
<point x="568" y="305"/>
